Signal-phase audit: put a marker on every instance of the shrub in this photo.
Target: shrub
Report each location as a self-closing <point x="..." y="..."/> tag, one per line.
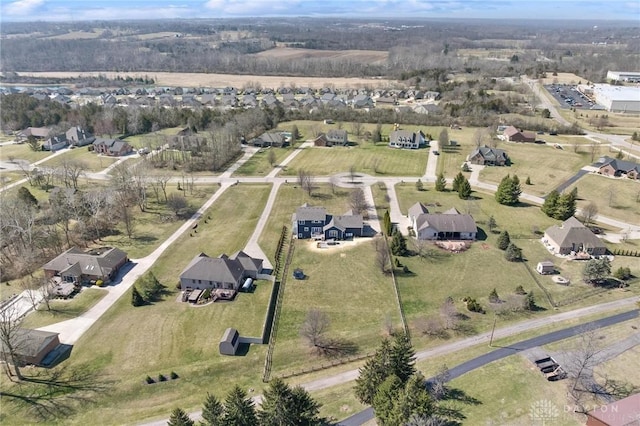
<point x="504" y="240"/>
<point x="493" y="296"/>
<point x="174" y="375"/>
<point x="206" y="293"/>
<point x="520" y="290"/>
<point x="622" y="273"/>
<point x="473" y="305"/>
<point x="149" y="380"/>
<point x="99" y="283"/>
<point x="162" y="378"/>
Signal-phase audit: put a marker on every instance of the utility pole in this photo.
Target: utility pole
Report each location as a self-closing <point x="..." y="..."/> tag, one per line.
<point x="495" y="318"/>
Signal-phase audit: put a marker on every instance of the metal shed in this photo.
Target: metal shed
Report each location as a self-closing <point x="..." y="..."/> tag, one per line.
<point x="229" y="342"/>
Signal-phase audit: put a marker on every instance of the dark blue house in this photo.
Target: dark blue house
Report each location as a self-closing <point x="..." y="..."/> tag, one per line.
<point x="314" y="222"/>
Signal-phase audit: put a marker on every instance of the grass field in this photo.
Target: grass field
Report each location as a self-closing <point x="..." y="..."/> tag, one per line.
<point x="258" y="164"/>
<point x="288" y="53"/>
<point x="92" y="162"/>
<point x="21" y="152"/>
<point x="332" y="277"/>
<point x="618" y="123"/>
<point x="170" y="336"/>
<point x="615" y="198"/>
<point x="546" y="166"/>
<point x="62" y="310"/>
<point x="7" y="178"/>
<point x="153" y="139"/>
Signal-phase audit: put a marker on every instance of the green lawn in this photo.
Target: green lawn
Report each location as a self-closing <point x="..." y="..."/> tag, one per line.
<point x="128" y="343"/>
<point x="21" y="152"/>
<point x="615" y="198"/>
<point x="7" y="178"/>
<point x="258" y="164"/>
<point x="153" y="139"/>
<point x="92" y="161"/>
<point x="332" y="277"/>
<point x="62" y="310"/>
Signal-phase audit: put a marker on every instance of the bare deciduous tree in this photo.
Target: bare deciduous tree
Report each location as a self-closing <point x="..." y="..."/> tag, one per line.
<point x="449" y="314"/>
<point x="589" y="213"/>
<point x="71" y="171"/>
<point x="356" y="128"/>
<point x="10" y="337"/>
<point x="586" y="353"/>
<point x="314" y="327"/>
<point x="358" y="201"/>
<point x="382" y="253"/>
<point x="177" y="203"/>
<point x="305" y="180"/>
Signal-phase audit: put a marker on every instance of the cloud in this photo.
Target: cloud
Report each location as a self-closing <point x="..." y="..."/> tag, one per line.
<point x="256" y="7"/>
<point x="22" y="7"/>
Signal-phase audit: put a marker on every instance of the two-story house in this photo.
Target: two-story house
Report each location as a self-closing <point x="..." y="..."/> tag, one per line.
<point x="406" y="139"/>
<point x="314" y="222"/>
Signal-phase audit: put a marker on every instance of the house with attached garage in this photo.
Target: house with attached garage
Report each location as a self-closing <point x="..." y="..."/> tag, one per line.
<point x="314" y="222"/>
<point x="573" y="237"/>
<point x="112" y="147"/>
<point x="223" y="272"/>
<point x="77" y="136"/>
<point x="618" y="168"/>
<point x="450" y="225"/>
<point x="274" y="139"/>
<point x="406" y="139"/>
<point x="512" y="134"/>
<point x="331" y="138"/>
<point x="486" y="156"/>
<point x="76" y="266"/>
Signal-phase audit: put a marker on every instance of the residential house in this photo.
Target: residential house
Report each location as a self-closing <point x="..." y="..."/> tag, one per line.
<point x="39" y="133"/>
<point x="614" y="167"/>
<point x="486" y="156"/>
<point x="30" y="346"/>
<point x="274" y="139"/>
<point x="514" y="135"/>
<point x="406" y="139"/>
<point x="270" y="101"/>
<point x="77" y="136"/>
<point x="624" y="412"/>
<point x="223" y="272"/>
<point x="77" y="266"/>
<point x="111" y="147"/>
<point x="450" y="225"/>
<point x="314" y="222"/>
<point x="55" y="143"/>
<point x="431" y="95"/>
<point x="386" y="100"/>
<point x="362" y="101"/>
<point x="337" y="137"/>
<point x="573" y="237"/>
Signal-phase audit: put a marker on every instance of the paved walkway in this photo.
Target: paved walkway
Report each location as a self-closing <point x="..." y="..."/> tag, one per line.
<point x="249" y="151"/>
<point x="432" y="162"/>
<point x="374" y="220"/>
<point x="289" y="158"/>
<point x="397" y="217"/>
<point x="253" y="248"/>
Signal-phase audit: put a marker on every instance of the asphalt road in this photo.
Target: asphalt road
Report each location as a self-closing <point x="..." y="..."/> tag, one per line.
<point x="503" y="352"/>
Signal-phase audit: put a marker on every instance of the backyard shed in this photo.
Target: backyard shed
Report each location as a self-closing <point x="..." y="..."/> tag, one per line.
<point x="229" y="342"/>
<point x="545" y="267"/>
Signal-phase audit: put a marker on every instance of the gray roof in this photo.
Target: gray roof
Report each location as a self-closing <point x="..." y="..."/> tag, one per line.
<point x="573" y="232"/>
<point x="101" y="263"/>
<point x="307" y="212"/>
<point x="417" y="209"/>
<point x="229" y="335"/>
<point x="103" y="141"/>
<point x="447" y="222"/>
<point x="29" y="343"/>
<point x="220" y="269"/>
<point x="404" y="135"/>
<point x="348" y="220"/>
<point x="339" y="135"/>
<point x="490" y="154"/>
<point x="117" y="146"/>
<point x="622" y="165"/>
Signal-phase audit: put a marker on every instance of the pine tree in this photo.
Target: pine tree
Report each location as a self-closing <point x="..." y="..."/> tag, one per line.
<point x="398" y="244"/>
<point x="491" y="223"/>
<point x="212" y="411"/>
<point x="515" y="190"/>
<point x="412" y="401"/>
<point x="550" y="203"/>
<point x="239" y="409"/>
<point x="26" y="196"/>
<point x="385" y="398"/>
<point x="374" y="371"/>
<point x="457" y="181"/>
<point x="295" y="134"/>
<point x="441" y="183"/>
<point x="565" y="207"/>
<point x="282" y="405"/>
<point x="464" y="189"/>
<point x="403" y="358"/>
<point x="528" y="181"/>
<point x="493" y="296"/>
<point x="574" y="194"/>
<point x="503" y="240"/>
<point x="136" y="298"/>
<point x="502" y="193"/>
<point x="388" y="226"/>
<point x="419" y="185"/>
<point x="180" y="418"/>
<point x="377" y="134"/>
<point x="513" y="253"/>
<point x="529" y="303"/>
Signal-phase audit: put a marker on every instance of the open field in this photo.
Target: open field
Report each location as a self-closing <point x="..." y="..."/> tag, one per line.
<point x="562" y="78"/>
<point x="153" y="139"/>
<point x="171" y="336"/>
<point x="258" y="164"/>
<point x="547" y="166"/>
<point x="365" y="56"/>
<point x="347" y="272"/>
<point x="223" y="80"/>
<point x="77" y="35"/>
<point x="7" y="178"/>
<point x="495" y="54"/>
<point x="615" y="198"/>
<point x="21" y="152"/>
<point x="618" y="123"/>
<point x="91" y="160"/>
<point x="62" y="310"/>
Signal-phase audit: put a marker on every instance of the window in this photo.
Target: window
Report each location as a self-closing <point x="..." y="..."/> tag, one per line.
<point x="306" y="228"/>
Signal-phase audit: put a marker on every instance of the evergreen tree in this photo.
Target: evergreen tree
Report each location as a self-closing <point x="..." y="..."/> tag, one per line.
<point x="419" y="185"/>
<point x="513" y="253"/>
<point x="403" y="358"/>
<point x="377" y="134"/>
<point x="457" y="181"/>
<point x="515" y="190"/>
<point x="180" y="418"/>
<point x="529" y="303"/>
<point x="520" y="290"/>
<point x="295" y="134"/>
<point x="464" y="189"/>
<point x="398" y="244"/>
<point x="26" y="196"/>
<point x="493" y="296"/>
<point x="212" y="411"/>
<point x="388" y="226"/>
<point x="385" y="400"/>
<point x="441" y="183"/>
<point x="550" y="203"/>
<point x="491" y="223"/>
<point x="528" y="181"/>
<point x="136" y="298"/>
<point x="503" y="240"/>
<point x="239" y="409"/>
<point x="282" y="405"/>
<point x="412" y="401"/>
<point x="509" y="191"/>
<point x="565" y="207"/>
<point x="574" y="194"/>
<point x="374" y="371"/>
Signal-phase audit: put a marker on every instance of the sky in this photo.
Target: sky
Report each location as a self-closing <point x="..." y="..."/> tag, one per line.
<point x="87" y="10"/>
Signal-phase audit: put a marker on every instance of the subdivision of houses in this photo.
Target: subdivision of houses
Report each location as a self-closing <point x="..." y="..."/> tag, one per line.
<point x="112" y="147"/>
<point x="486" y="156"/>
<point x="449" y="225"/>
<point x="77" y="266"/>
<point x="314" y="222"/>
<point x="223" y="272"/>
<point x="512" y="134"/>
<point x="406" y="139"/>
<point x="613" y="167"/>
<point x="573" y="237"/>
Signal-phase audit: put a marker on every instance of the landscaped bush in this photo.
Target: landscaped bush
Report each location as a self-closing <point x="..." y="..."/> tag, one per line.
<point x="174" y="375"/>
<point x="473" y="305"/>
<point x="99" y="283"/>
<point x="162" y="378"/>
<point x="149" y="380"/>
<point x="206" y="294"/>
